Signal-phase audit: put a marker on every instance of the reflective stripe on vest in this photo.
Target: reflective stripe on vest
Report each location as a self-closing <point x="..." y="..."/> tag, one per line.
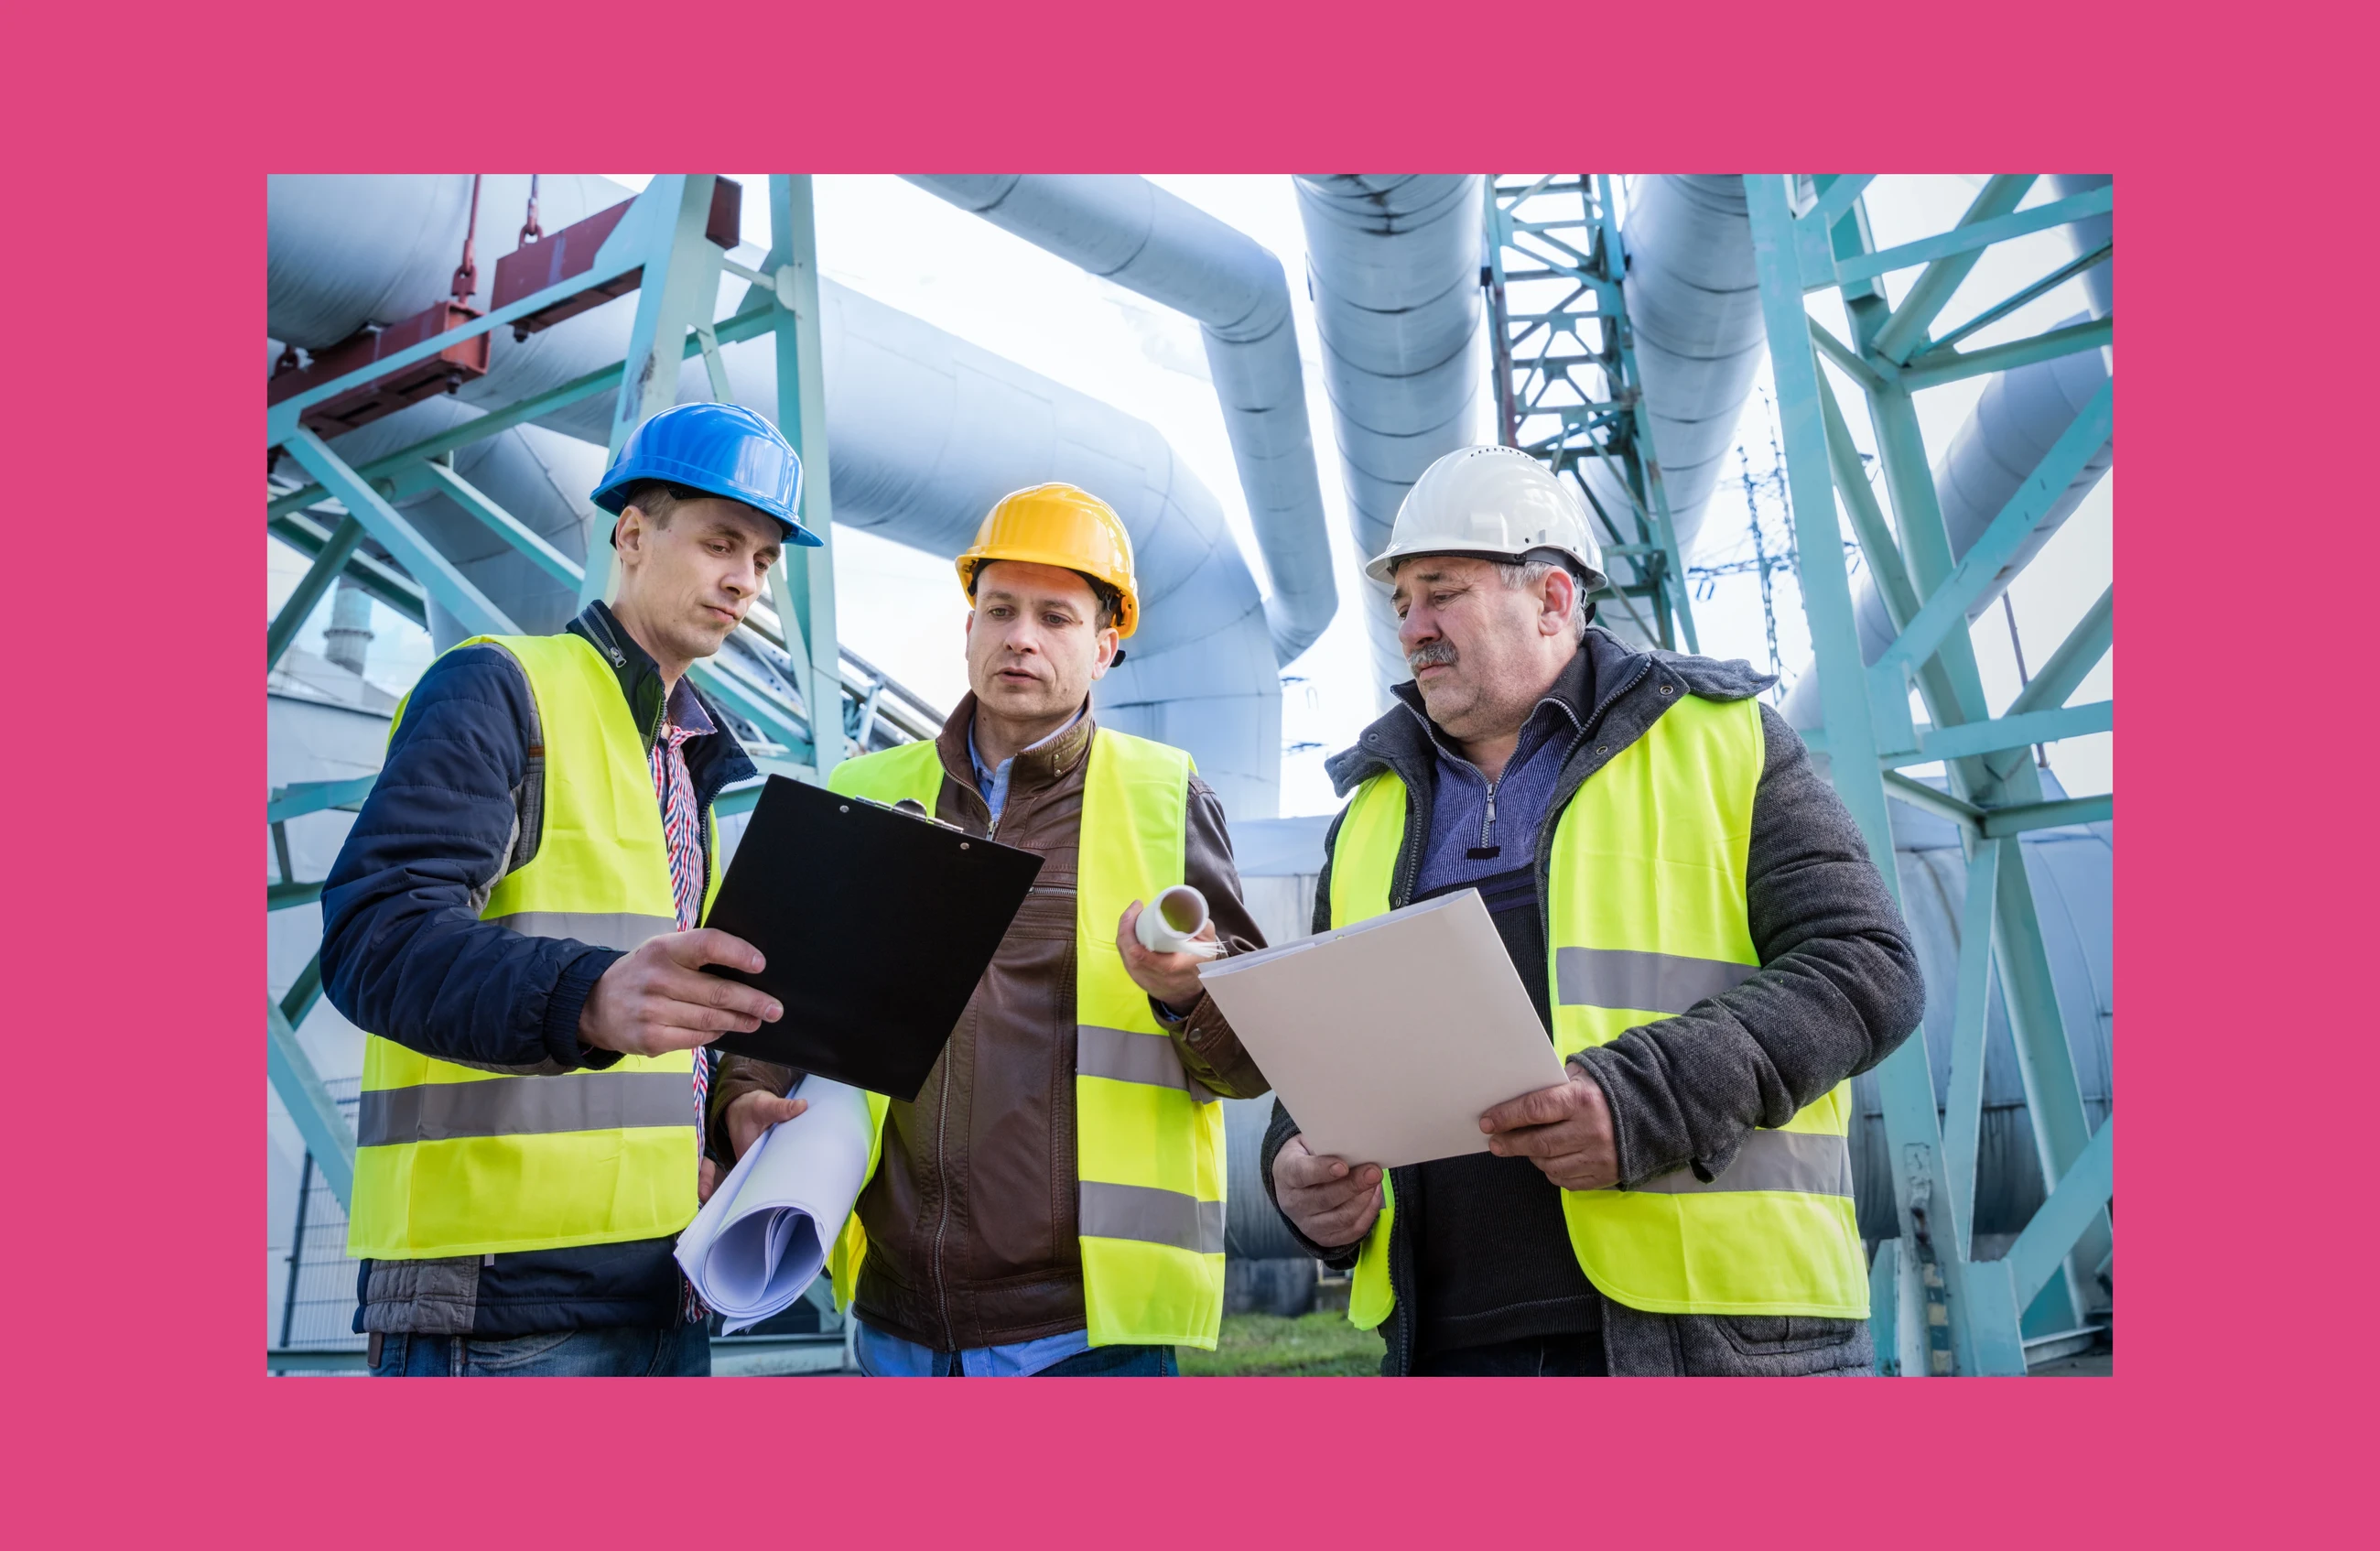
<point x="1148" y="1136"/>
<point x="1648" y="916"/>
<point x="454" y="1161"/>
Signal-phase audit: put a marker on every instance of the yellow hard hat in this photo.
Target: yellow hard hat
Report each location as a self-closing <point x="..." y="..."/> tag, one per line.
<point x="1058" y="525"/>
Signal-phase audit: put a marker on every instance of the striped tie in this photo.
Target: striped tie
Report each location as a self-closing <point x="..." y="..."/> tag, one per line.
<point x="682" y="827"/>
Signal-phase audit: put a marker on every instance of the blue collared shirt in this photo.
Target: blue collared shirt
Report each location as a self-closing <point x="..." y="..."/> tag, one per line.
<point x="993" y="782"/>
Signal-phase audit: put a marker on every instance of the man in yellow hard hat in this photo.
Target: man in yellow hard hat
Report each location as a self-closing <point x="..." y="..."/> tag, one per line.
<point x="1053" y="1201"/>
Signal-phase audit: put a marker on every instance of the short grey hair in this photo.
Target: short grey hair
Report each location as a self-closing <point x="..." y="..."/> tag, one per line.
<point x="1521" y="573"/>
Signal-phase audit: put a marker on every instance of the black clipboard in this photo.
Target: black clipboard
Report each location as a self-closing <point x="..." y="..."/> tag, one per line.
<point x="876" y="926"/>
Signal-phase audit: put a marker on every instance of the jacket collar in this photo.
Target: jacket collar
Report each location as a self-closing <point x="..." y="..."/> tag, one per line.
<point x="713" y="761"/>
<point x="1034" y="768"/>
<point x="1605" y="672"/>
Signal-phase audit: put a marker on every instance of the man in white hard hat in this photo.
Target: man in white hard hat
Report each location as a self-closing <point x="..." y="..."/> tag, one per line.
<point x="1703" y="936"/>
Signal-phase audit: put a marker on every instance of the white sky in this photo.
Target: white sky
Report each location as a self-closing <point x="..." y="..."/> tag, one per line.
<point x="902" y="609"/>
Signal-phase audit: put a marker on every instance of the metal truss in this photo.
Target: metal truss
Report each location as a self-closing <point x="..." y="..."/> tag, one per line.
<point x="662" y="234"/>
<point x="1567" y="389"/>
<point x="1937" y="1310"/>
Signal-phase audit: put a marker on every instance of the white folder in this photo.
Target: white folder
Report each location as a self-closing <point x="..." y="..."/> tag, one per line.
<point x="1390" y="1038"/>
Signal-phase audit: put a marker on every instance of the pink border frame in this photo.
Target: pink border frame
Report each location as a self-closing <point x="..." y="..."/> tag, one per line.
<point x="140" y="990"/>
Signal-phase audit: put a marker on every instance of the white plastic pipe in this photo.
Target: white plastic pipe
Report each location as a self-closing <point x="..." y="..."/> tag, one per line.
<point x="1172" y="922"/>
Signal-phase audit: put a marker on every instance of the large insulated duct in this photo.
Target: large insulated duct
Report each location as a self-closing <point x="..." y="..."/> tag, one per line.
<point x="1392" y="263"/>
<point x="2020" y="417"/>
<point x="1134" y="233"/>
<point x="1693" y="309"/>
<point x="927" y="431"/>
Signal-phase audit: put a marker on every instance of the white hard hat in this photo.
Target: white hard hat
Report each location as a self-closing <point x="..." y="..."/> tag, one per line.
<point x="1494" y="501"/>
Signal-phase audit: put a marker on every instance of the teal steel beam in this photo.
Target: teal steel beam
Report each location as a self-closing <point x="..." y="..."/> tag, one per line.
<point x="603" y="379"/>
<point x="1946" y="609"/>
<point x="2040" y="287"/>
<point x="622" y="251"/>
<point x="1963" y="1108"/>
<point x="680" y="290"/>
<point x="386" y="583"/>
<point x="2023" y="817"/>
<point x="1939" y="366"/>
<point x="329" y="562"/>
<point x="2074" y="660"/>
<point x="1926" y="799"/>
<point x="1884" y="1305"/>
<point x="1835" y="199"/>
<point x="1983" y="234"/>
<point x="300" y="798"/>
<point x="1904" y="332"/>
<point x="2069" y="1212"/>
<point x="444" y="481"/>
<point x="803" y="582"/>
<point x="1884" y="562"/>
<point x="303" y="993"/>
<point x="289" y="895"/>
<point x="1931" y="1268"/>
<point x="1825" y="584"/>
<point x="309" y="1104"/>
<point x="436" y="574"/>
<point x="1970" y="739"/>
<point x="1863" y="371"/>
<point x="755" y="704"/>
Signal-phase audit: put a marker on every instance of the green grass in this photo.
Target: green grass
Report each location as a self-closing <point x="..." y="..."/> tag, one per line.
<point x="1315" y="1344"/>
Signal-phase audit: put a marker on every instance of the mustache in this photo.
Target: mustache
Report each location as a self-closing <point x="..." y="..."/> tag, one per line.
<point x="1432" y="655"/>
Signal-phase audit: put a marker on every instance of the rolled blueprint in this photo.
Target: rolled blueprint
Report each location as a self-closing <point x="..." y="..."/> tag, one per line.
<point x="763" y="1236"/>
<point x="1169" y="922"/>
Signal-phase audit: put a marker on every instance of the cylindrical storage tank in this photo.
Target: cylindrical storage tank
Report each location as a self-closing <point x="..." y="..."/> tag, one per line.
<point x="1266" y="1271"/>
<point x="2071" y="871"/>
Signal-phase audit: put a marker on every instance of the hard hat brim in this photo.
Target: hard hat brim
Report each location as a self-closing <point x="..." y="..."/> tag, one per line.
<point x="1382" y="567"/>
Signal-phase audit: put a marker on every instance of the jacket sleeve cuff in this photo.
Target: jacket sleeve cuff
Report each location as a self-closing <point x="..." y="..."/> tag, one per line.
<point x="566" y="1001"/>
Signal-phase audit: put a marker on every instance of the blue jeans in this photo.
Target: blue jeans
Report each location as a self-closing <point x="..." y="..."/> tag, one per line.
<point x="1097" y="1362"/>
<point x="681" y="1350"/>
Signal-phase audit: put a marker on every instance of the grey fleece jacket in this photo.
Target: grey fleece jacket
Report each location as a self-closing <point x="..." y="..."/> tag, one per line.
<point x="1838" y="990"/>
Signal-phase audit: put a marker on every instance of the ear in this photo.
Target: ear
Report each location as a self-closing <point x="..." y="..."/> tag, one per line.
<point x="1561" y="597"/>
<point x="1110" y="643"/>
<point x="628" y="531"/>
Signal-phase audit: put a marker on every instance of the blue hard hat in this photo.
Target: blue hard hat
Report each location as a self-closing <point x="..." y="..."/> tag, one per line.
<point x="719" y="449"/>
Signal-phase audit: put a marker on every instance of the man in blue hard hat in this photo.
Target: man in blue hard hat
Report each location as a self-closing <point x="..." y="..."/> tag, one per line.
<point x="513" y="918"/>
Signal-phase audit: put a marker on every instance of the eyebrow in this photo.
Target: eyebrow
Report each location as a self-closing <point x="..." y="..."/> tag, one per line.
<point x="1001" y="594"/>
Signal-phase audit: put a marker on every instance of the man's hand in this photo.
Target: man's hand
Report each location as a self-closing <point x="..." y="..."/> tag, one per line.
<point x="750" y="1114"/>
<point x="1566" y="1131"/>
<point x="1330" y="1202"/>
<point x="657" y="999"/>
<point x="1172" y="978"/>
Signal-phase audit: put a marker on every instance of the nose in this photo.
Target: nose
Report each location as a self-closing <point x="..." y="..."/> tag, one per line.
<point x="1416" y="627"/>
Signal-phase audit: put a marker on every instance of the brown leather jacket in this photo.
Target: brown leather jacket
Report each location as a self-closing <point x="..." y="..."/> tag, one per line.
<point x="970" y="1217"/>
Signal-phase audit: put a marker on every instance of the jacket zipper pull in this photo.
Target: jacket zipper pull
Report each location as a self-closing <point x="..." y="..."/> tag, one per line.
<point x="1487" y="849"/>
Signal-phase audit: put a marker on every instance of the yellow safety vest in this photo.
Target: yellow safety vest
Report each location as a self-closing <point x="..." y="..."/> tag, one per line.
<point x="1648" y="916"/>
<point x="1148" y="1151"/>
<point x="454" y="1161"/>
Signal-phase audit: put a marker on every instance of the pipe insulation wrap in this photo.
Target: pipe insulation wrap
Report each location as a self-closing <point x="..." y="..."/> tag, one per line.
<point x="1392" y="263"/>
<point x="925" y="431"/>
<point x="1693" y="311"/>
<point x="1128" y="230"/>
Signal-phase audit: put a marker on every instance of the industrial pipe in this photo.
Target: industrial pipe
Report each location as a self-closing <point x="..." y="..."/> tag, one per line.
<point x="1392" y="263"/>
<point x="1134" y="233"/>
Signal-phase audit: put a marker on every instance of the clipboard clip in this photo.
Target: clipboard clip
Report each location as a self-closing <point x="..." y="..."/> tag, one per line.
<point x="910" y="807"/>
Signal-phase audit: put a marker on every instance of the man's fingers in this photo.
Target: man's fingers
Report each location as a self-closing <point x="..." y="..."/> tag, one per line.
<point x="776" y="1110"/>
<point x="1536" y="1142"/>
<point x="1308" y="1171"/>
<point x="708" y="946"/>
<point x="1540" y="1108"/>
<point x="692" y="988"/>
